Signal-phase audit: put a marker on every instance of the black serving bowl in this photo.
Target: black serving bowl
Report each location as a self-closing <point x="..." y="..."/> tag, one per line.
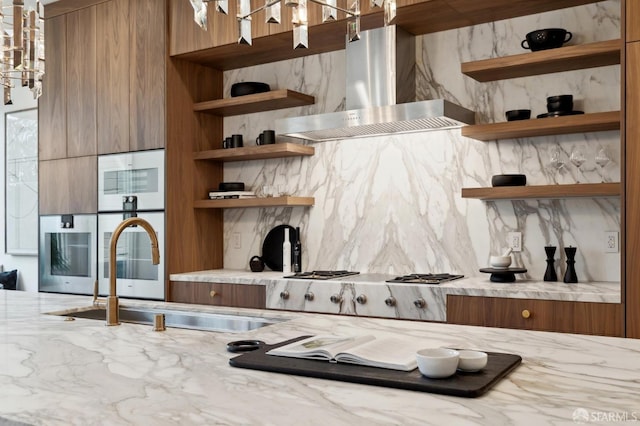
<point x="548" y="38"/>
<point x="509" y="180"/>
<point x="248" y="88"/>
<point x="518" y="114"/>
<point x="561" y="103"/>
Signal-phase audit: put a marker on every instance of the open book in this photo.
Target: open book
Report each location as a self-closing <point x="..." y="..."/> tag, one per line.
<point x="387" y="352"/>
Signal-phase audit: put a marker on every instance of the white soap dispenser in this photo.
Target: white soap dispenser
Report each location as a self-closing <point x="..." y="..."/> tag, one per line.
<point x="286" y="253"/>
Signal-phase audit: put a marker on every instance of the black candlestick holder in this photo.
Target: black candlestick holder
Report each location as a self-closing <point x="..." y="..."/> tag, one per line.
<point x="570" y="274"/>
<point x="550" y="273"/>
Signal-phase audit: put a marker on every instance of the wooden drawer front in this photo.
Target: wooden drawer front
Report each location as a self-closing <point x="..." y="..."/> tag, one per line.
<point x="218" y="294"/>
<point x="533" y="314"/>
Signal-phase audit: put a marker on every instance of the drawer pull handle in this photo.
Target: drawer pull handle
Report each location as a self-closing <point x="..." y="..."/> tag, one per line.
<point x="284" y="295"/>
<point x="526" y="314"/>
<point x="212" y="294"/>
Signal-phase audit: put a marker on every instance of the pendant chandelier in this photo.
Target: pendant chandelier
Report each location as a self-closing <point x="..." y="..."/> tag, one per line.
<point x="22" y="58"/>
<point x="300" y="21"/>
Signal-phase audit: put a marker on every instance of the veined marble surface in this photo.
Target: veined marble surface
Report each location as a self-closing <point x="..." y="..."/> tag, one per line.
<point x="392" y="204"/>
<point x="606" y="292"/>
<point x="57" y="372"/>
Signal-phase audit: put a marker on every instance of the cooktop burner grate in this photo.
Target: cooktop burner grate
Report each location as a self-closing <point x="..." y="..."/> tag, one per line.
<point x="321" y="275"/>
<point x="425" y="278"/>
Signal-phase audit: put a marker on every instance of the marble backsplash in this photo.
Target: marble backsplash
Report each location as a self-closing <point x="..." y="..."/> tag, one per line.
<point x="392" y="204"/>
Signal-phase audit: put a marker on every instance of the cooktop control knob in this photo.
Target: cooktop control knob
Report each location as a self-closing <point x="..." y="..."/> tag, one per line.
<point x="336" y="298"/>
<point x="390" y="301"/>
<point x="284" y="295"/>
<point x="309" y="296"/>
<point x="361" y="299"/>
<point x="420" y="303"/>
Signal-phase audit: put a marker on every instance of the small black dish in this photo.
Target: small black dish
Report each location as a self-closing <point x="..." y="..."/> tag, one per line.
<point x="518" y="114"/>
<point x="509" y="180"/>
<point x="548" y="38"/>
<point x="248" y="88"/>
<point x="244" y="345"/>
<point x="559" y="114"/>
<point x="507" y="275"/>
<point x="231" y="186"/>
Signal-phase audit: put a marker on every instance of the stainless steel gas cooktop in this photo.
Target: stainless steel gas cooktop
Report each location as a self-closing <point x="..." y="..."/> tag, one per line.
<point x="321" y="275"/>
<point x="425" y="278"/>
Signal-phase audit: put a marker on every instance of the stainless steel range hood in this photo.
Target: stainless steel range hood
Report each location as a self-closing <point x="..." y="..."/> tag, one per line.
<point x="380" y="95"/>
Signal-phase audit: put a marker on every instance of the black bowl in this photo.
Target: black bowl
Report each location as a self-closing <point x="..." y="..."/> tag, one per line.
<point x="560" y="103"/>
<point x="548" y="38"/>
<point x="508" y="180"/>
<point x="248" y="88"/>
<point x="518" y="114"/>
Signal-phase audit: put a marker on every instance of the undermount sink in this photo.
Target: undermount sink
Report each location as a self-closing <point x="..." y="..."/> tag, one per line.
<point x="181" y="319"/>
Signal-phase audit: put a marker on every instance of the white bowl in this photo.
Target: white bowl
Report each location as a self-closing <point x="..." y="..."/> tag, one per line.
<point x="500" y="262"/>
<point x="437" y="363"/>
<point x="471" y="361"/>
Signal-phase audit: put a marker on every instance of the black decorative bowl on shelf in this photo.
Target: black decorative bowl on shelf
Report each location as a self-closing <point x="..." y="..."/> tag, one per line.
<point x="518" y="114"/>
<point x="231" y="186"/>
<point x="509" y="180"/>
<point x="248" y="88"/>
<point x="548" y="38"/>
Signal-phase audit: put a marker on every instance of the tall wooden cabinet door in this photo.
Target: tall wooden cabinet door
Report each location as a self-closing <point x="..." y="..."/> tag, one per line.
<point x="187" y="36"/>
<point x="632" y="190"/>
<point x="113" y="43"/>
<point x="68" y="186"/>
<point x="633" y="20"/>
<point x="81" y="82"/>
<point x="52" y="117"/>
<point x="147" y="128"/>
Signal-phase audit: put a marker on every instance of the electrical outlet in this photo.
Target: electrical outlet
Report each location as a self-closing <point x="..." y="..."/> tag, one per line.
<point x="236" y="240"/>
<point x="611" y="242"/>
<point x="514" y="241"/>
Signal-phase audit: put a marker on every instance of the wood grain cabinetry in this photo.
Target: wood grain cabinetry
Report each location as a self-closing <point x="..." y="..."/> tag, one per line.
<point x="68" y="185"/>
<point x="633" y="20"/>
<point x="631" y="238"/>
<point x="219" y="294"/>
<point x="81" y="83"/>
<point x="605" y="319"/>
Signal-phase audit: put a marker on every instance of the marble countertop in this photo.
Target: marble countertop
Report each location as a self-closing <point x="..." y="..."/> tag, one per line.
<point x="58" y="372"/>
<point x="605" y="292"/>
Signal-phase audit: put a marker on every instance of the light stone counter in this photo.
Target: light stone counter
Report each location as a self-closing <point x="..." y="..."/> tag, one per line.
<point x="605" y="292"/>
<point x="56" y="372"/>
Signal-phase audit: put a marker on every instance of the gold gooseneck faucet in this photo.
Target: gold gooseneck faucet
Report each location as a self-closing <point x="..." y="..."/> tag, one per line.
<point x="112" y="300"/>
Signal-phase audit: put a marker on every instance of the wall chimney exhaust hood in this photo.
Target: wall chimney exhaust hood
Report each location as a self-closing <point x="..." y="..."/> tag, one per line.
<point x="380" y="95"/>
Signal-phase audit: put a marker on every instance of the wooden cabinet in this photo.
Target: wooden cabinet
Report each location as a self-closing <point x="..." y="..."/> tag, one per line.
<point x="52" y="117"/>
<point x="113" y="76"/>
<point x="605" y="319"/>
<point x="631" y="238"/>
<point x="633" y="20"/>
<point x="218" y="294"/>
<point x="68" y="185"/>
<point x="147" y="82"/>
<point x="81" y="83"/>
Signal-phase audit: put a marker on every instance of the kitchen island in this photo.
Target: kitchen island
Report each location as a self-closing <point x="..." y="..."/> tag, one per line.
<point x="57" y="372"/>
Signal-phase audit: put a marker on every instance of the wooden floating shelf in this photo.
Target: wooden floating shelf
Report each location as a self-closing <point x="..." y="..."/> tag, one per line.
<point x="594" y="190"/>
<point x="277" y="150"/>
<point x="255" y="202"/>
<point x="267" y="101"/>
<point x="583" y="123"/>
<point x="568" y="58"/>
